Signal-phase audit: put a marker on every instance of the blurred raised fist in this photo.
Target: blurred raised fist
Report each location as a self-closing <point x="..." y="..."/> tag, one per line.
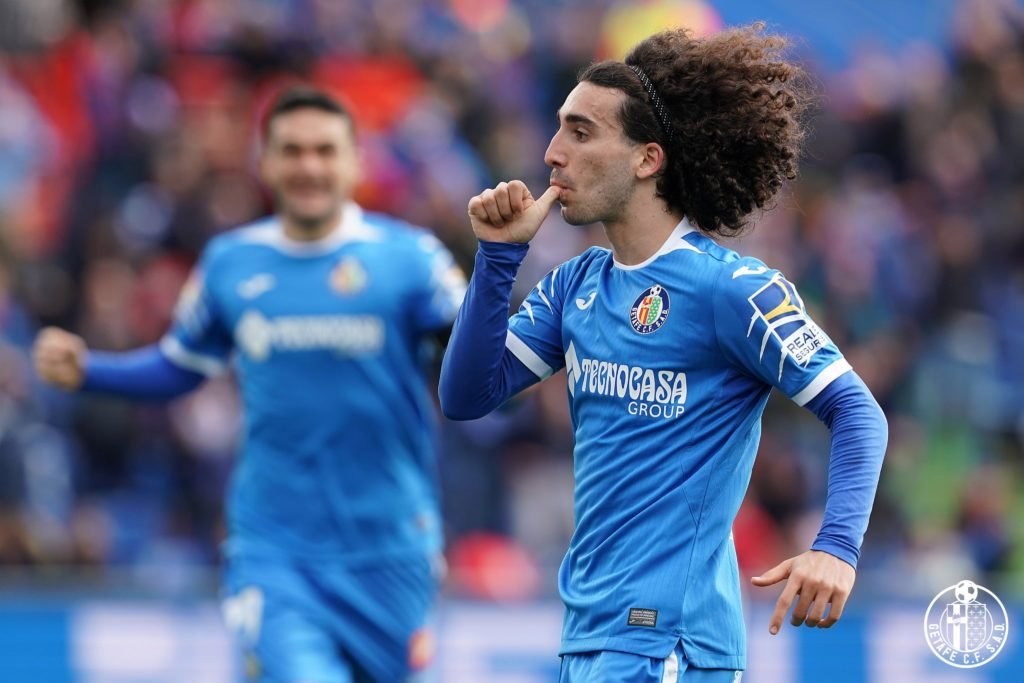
<point x="59" y="358"/>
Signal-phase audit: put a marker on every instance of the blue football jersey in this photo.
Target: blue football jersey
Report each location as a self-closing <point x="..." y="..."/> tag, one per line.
<point x="669" y="364"/>
<point x="327" y="340"/>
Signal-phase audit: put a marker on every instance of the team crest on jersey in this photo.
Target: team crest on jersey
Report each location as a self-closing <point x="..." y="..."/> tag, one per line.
<point x="349" y="276"/>
<point x="650" y="310"/>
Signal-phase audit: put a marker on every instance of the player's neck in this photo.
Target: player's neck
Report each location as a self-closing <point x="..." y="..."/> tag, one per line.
<point x="311" y="231"/>
<point x="642" y="230"/>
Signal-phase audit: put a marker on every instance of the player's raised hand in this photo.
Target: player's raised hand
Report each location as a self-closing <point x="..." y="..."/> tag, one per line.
<point x="509" y="213"/>
<point x="59" y="358"/>
<point x="816" y="578"/>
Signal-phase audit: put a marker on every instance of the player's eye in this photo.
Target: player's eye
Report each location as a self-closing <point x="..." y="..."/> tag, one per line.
<point x="580" y="134"/>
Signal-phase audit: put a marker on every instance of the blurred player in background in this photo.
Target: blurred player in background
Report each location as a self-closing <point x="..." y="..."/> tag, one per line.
<point x="334" y="528"/>
<point x="671" y="345"/>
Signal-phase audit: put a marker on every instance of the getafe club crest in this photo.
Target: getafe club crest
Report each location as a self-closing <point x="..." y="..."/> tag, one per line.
<point x="349" y="276"/>
<point x="650" y="310"/>
<point x="966" y="625"/>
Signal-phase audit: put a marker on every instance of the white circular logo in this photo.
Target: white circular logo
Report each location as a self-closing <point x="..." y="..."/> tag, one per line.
<point x="966" y="625"/>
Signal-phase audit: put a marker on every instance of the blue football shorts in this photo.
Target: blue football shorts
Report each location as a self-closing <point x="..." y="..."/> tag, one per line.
<point x="310" y="621"/>
<point x="608" y="666"/>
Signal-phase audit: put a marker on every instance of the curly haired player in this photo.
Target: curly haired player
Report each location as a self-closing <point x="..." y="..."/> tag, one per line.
<point x="671" y="344"/>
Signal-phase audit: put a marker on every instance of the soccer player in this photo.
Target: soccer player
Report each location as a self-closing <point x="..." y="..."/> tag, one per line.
<point x="671" y="344"/>
<point x="323" y="310"/>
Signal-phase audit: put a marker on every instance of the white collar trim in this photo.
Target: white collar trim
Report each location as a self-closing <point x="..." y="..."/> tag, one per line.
<point x="675" y="242"/>
<point x="351" y="228"/>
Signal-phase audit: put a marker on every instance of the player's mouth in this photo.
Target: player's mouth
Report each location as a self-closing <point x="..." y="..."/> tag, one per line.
<point x="306" y="190"/>
<point x="561" y="185"/>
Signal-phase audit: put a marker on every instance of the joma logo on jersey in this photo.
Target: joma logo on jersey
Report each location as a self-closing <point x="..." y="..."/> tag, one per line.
<point x="650" y="393"/>
<point x="779" y="308"/>
<point x="349" y="335"/>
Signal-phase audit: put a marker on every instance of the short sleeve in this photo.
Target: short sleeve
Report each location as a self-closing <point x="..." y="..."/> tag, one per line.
<point x="440" y="289"/>
<point x="535" y="331"/>
<point x="763" y="327"/>
<point x="198" y="339"/>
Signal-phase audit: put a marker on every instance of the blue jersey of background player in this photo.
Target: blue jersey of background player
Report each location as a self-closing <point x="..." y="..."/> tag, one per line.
<point x="671" y="344"/>
<point x="323" y="310"/>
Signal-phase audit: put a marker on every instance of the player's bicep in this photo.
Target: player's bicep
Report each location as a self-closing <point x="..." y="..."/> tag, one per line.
<point x="197" y="340"/>
<point x="441" y="288"/>
<point x="535" y="330"/>
<point x="763" y="326"/>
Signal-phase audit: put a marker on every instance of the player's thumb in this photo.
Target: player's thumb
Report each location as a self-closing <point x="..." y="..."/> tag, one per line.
<point x="544" y="203"/>
<point x="773" y="575"/>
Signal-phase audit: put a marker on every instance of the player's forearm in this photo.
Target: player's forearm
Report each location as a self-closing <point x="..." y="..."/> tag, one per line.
<point x="145" y="373"/>
<point x="859" y="437"/>
<point x="478" y="374"/>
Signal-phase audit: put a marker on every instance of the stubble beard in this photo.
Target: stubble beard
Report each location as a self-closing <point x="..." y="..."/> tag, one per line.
<point x="306" y="222"/>
<point x="606" y="206"/>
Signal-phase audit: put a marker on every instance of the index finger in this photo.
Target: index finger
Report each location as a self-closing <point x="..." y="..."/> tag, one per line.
<point x="783" y="604"/>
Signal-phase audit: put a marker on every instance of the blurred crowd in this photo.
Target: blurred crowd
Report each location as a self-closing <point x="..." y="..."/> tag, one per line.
<point x="127" y="139"/>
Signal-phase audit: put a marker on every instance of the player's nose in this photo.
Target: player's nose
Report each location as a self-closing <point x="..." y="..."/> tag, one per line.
<point x="309" y="163"/>
<point x="555" y="156"/>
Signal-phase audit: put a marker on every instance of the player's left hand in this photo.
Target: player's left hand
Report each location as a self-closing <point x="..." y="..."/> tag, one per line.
<point x="815" y="578"/>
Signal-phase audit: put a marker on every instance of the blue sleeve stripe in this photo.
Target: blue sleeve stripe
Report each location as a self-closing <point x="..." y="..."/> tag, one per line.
<point x="176" y="352"/>
<point x="527" y="356"/>
<point x="828" y="375"/>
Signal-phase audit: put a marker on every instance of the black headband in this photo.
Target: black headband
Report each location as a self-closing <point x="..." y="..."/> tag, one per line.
<point x="659" y="107"/>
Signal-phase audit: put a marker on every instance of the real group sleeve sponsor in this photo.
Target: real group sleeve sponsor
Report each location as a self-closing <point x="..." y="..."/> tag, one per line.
<point x="763" y="326"/>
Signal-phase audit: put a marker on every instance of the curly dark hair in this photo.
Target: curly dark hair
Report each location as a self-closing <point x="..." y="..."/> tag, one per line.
<point x="734" y="128"/>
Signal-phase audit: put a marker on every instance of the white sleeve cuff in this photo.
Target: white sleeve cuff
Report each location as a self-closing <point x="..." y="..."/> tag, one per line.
<point x="176" y="352"/>
<point x="527" y="356"/>
<point x="828" y="375"/>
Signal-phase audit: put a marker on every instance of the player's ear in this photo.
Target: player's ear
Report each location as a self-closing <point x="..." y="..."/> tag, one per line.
<point x="650" y="159"/>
